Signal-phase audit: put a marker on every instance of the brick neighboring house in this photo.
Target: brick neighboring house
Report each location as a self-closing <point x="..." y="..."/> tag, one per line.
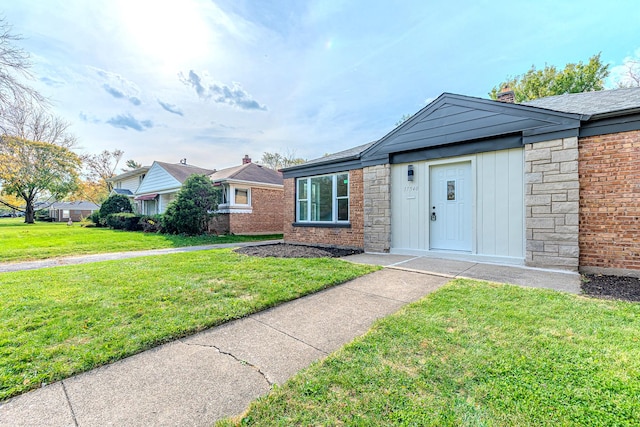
<point x="553" y="183"/>
<point x="77" y="211"/>
<point x="252" y="197"/>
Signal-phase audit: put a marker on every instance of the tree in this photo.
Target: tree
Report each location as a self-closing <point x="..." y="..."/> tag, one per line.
<point x="278" y="161"/>
<point x="574" y="78"/>
<point x="14" y="65"/>
<point x="131" y="165"/>
<point x="89" y="190"/>
<point x="116" y="203"/>
<point x="193" y="207"/>
<point x="403" y="119"/>
<point x="32" y="169"/>
<point x="631" y="77"/>
<point x="31" y="121"/>
<point x="100" y="167"/>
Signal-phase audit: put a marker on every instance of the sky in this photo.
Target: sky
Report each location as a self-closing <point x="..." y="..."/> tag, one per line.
<point x="211" y="81"/>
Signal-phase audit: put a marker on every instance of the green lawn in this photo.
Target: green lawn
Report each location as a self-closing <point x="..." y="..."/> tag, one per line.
<point x="60" y="321"/>
<point x="475" y="354"/>
<point x="21" y="242"/>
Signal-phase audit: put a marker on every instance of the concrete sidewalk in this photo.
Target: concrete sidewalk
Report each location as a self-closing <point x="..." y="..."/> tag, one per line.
<point x="217" y="373"/>
<point x="198" y="380"/>
<point x="560" y="280"/>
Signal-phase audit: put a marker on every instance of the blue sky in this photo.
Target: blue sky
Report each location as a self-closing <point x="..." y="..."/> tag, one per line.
<point x="211" y="81"/>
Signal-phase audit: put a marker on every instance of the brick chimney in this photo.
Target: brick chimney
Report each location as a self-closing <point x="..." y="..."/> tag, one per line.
<point x="246" y="159"/>
<point x="506" y="95"/>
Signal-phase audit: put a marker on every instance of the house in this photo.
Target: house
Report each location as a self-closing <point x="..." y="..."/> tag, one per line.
<point x="76" y="211"/>
<point x="553" y="183"/>
<point x="152" y="188"/>
<point x="128" y="182"/>
<point x="252" y="198"/>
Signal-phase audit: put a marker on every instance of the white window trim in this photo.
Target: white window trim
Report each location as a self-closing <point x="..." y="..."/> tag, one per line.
<point x="334" y="199"/>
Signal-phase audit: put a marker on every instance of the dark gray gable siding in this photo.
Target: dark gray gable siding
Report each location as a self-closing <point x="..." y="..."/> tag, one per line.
<point x="451" y="121"/>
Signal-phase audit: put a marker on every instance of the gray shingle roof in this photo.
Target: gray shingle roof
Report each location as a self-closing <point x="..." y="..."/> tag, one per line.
<point x="591" y="103"/>
<point x="123" y="191"/>
<point x="250" y="172"/>
<point x="79" y="205"/>
<point x="351" y="153"/>
<point x="182" y="172"/>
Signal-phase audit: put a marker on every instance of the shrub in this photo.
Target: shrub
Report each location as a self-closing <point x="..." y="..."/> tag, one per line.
<point x="191" y="211"/>
<point x="95" y="218"/>
<point x="151" y="223"/>
<point x="124" y="221"/>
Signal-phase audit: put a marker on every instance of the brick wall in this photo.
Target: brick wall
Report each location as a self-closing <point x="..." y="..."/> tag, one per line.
<point x="552" y="194"/>
<point x="377" y="208"/>
<point x="267" y="216"/>
<point x="334" y="236"/>
<point x="609" y="169"/>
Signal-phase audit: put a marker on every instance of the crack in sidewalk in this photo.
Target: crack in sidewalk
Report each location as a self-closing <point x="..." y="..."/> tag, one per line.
<point x="66" y="395"/>
<point x="234" y="357"/>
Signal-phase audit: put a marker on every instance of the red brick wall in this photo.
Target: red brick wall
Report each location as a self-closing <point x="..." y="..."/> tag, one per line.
<point x="609" y="170"/>
<point x="334" y="236"/>
<point x="267" y="216"/>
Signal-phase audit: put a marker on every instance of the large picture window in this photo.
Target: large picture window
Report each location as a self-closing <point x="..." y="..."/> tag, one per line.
<point x="323" y="198"/>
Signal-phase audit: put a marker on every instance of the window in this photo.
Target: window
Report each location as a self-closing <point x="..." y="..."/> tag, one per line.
<point x="323" y="198"/>
<point x="241" y="196"/>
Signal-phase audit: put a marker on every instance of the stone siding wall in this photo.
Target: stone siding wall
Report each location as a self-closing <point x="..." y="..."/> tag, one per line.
<point x="552" y="204"/>
<point x="377" y="208"/>
<point x="352" y="236"/>
<point x="609" y="168"/>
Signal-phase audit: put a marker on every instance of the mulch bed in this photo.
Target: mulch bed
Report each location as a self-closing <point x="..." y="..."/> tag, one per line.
<point x="611" y="287"/>
<point x="287" y="250"/>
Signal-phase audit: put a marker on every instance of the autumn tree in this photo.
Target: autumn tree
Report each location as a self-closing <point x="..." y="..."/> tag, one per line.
<point x="30" y="170"/>
<point x="31" y="121"/>
<point x="100" y="167"/>
<point x="278" y="161"/>
<point x="574" y="78"/>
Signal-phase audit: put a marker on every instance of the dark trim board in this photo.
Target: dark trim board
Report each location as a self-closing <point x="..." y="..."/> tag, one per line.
<point x="472" y="147"/>
<point x="611" y="125"/>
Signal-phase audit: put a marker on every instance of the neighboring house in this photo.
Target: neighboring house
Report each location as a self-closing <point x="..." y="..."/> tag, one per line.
<point x="252" y="198"/>
<point x="553" y="183"/>
<point x="152" y="188"/>
<point x="77" y="211"/>
<point x="128" y="182"/>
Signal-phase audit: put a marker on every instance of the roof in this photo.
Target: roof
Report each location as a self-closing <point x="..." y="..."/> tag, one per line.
<point x="591" y="103"/>
<point x="122" y="191"/>
<point x="128" y="174"/>
<point x="181" y="171"/>
<point x="79" y="205"/>
<point x="249" y="172"/>
<point x="349" y="154"/>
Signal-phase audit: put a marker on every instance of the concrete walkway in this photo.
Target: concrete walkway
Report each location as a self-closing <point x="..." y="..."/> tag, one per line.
<point x="217" y="373"/>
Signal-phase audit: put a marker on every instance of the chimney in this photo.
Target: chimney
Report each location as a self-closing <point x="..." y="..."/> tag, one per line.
<point x="246" y="159"/>
<point x="183" y="161"/>
<point x="506" y="95"/>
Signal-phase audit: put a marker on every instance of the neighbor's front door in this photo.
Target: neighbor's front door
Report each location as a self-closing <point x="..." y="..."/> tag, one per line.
<point x="450" y="207"/>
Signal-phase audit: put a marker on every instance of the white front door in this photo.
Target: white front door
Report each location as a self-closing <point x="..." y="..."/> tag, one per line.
<point x="450" y="205"/>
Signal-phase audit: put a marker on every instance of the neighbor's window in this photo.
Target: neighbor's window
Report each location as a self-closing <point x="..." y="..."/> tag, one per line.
<point x="323" y="198"/>
<point x="242" y="196"/>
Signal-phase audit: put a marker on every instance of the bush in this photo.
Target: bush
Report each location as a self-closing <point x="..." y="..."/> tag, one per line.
<point x="95" y="218"/>
<point x="124" y="221"/>
<point x="151" y="223"/>
<point x="43" y="215"/>
<point x="191" y="211"/>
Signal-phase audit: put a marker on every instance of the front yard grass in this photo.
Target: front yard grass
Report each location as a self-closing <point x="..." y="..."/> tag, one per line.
<point x="60" y="321"/>
<point x="475" y="354"/>
<point x="22" y="242"/>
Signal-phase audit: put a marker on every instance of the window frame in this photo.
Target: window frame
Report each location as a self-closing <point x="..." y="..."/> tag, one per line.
<point x="308" y="200"/>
